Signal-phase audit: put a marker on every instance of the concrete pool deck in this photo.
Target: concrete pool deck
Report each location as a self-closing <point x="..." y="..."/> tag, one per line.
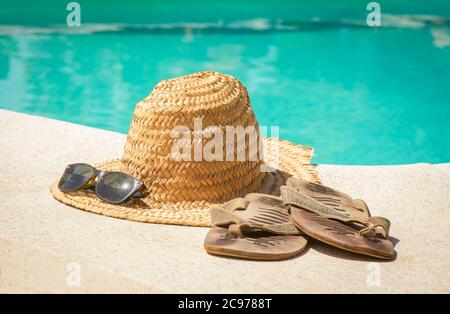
<point x="46" y="246"/>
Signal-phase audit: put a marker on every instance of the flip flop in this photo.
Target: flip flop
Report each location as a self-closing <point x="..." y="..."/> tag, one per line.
<point x="340" y="235"/>
<point x="335" y="218"/>
<point x="330" y="203"/>
<point x="257" y="227"/>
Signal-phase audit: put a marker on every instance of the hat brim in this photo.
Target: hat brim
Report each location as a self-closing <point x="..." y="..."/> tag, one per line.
<point x="293" y="160"/>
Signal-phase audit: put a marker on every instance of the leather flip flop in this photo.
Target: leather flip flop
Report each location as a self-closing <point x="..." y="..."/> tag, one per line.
<point x="257" y="227"/>
<point x="340" y="235"/>
<point x="335" y="218"/>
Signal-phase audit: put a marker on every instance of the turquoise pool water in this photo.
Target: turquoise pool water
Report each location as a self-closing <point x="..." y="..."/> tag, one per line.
<point x="358" y="95"/>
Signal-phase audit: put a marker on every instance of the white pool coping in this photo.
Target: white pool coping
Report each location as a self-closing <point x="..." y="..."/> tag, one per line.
<point x="44" y="244"/>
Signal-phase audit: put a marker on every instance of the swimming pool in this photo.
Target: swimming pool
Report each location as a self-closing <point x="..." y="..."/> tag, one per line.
<point x="358" y="95"/>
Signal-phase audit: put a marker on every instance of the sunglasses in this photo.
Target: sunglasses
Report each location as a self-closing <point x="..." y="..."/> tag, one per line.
<point x="110" y="186"/>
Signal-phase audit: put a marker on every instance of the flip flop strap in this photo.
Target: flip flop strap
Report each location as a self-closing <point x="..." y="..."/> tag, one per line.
<point x="235" y="204"/>
<point x="373" y="225"/>
<point x="293" y="197"/>
<point x="241" y="230"/>
<point x="223" y="216"/>
<point x="376" y="225"/>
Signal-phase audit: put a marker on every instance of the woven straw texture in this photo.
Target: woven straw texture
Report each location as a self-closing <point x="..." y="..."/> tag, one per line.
<point x="181" y="188"/>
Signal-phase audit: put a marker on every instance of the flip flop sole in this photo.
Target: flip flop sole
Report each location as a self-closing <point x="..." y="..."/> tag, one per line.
<point x="340" y="235"/>
<point x="259" y="247"/>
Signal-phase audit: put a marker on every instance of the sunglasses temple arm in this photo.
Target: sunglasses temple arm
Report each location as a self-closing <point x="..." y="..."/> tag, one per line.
<point x="140" y="192"/>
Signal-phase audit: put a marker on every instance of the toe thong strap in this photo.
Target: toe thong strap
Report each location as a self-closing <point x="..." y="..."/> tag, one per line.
<point x="224" y="214"/>
<point x="376" y="225"/>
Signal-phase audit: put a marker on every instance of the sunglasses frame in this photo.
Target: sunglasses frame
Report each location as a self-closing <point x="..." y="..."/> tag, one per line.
<point x="138" y="186"/>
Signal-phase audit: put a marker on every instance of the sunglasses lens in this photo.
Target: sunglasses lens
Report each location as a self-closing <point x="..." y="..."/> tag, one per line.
<point x="75" y="177"/>
<point x="115" y="187"/>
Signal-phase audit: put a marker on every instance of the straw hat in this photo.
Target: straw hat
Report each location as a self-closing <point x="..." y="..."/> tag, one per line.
<point x="182" y="186"/>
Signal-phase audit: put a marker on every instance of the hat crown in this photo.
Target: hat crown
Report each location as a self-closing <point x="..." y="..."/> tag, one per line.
<point x="209" y="105"/>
